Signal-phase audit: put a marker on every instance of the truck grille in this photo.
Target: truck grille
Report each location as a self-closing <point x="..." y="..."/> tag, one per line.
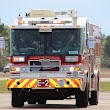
<point x="44" y="66"/>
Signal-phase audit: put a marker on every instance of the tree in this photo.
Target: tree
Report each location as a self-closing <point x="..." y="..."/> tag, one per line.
<point x="4" y="32"/>
<point x="106" y="52"/>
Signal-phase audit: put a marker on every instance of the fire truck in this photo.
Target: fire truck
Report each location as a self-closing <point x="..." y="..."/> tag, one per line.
<point x="54" y="56"/>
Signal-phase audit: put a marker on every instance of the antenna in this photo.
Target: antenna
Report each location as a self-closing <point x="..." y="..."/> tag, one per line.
<point x="26" y="14"/>
<point x="19" y="16"/>
<point x="19" y="12"/>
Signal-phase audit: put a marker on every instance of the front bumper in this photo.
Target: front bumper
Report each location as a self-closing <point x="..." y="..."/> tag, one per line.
<point x="51" y="84"/>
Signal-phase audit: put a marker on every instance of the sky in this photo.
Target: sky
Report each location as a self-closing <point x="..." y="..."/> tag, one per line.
<point x="97" y="11"/>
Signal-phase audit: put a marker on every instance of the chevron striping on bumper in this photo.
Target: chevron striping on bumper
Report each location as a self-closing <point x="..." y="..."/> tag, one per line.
<point x="27" y="84"/>
<point x="76" y="82"/>
<point x="21" y="80"/>
<point x="53" y="83"/>
<point x="23" y="83"/>
<point x="67" y="86"/>
<point x="9" y="83"/>
<point x="33" y="83"/>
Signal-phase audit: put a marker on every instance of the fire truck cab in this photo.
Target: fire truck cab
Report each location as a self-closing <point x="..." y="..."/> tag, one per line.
<point x="53" y="56"/>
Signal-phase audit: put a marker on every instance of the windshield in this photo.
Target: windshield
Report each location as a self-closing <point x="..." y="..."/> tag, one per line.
<point x="58" y="42"/>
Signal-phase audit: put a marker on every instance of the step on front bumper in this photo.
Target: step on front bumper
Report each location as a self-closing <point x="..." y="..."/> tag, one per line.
<point x="50" y="83"/>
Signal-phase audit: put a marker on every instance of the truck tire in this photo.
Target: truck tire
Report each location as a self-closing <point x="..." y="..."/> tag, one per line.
<point x="82" y="98"/>
<point x="94" y="95"/>
<point x="94" y="98"/>
<point x="31" y="102"/>
<point x="17" y="101"/>
<point x="42" y="101"/>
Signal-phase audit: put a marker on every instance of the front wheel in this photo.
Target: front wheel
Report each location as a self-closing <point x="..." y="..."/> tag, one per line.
<point x="94" y="98"/>
<point x="42" y="101"/>
<point x="82" y="98"/>
<point x="17" y="101"/>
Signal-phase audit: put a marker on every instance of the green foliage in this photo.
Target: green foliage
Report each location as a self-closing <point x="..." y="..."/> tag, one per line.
<point x="4" y="32"/>
<point x="105" y="56"/>
<point x="107" y="47"/>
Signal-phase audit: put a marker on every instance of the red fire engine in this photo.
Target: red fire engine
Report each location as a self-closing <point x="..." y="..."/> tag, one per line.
<point x="54" y="55"/>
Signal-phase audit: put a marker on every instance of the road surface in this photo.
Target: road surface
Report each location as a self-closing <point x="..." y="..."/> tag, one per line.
<point x="104" y="104"/>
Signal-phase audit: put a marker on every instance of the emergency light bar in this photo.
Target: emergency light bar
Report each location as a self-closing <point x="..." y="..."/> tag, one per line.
<point x="49" y="22"/>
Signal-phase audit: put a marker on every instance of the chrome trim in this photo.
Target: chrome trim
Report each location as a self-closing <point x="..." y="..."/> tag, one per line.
<point x="45" y="61"/>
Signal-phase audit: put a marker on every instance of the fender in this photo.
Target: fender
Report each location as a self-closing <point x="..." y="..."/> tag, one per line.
<point x="85" y="79"/>
<point x="95" y="80"/>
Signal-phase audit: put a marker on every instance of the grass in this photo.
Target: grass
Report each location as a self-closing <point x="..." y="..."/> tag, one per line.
<point x="3" y="88"/>
<point x="104" y="86"/>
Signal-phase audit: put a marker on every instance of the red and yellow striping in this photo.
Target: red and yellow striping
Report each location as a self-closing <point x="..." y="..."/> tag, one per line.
<point x="48" y="83"/>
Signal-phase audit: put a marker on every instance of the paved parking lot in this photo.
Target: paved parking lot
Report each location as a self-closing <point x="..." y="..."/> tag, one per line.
<point x="104" y="104"/>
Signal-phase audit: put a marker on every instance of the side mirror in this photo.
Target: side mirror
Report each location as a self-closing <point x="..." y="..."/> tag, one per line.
<point x="91" y="43"/>
<point x="2" y="45"/>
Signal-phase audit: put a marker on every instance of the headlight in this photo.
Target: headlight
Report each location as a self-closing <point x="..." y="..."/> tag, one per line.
<point x="64" y="68"/>
<point x="16" y="69"/>
<point x="71" y="58"/>
<point x="20" y="69"/>
<point x="18" y="59"/>
<point x="24" y="69"/>
<point x="71" y="69"/>
<point x="74" y="68"/>
<point x="75" y="74"/>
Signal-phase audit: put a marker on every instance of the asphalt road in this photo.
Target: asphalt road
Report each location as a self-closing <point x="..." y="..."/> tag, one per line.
<point x="104" y="104"/>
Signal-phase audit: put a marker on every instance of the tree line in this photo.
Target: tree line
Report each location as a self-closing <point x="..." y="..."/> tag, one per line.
<point x="4" y="32"/>
<point x="105" y="52"/>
